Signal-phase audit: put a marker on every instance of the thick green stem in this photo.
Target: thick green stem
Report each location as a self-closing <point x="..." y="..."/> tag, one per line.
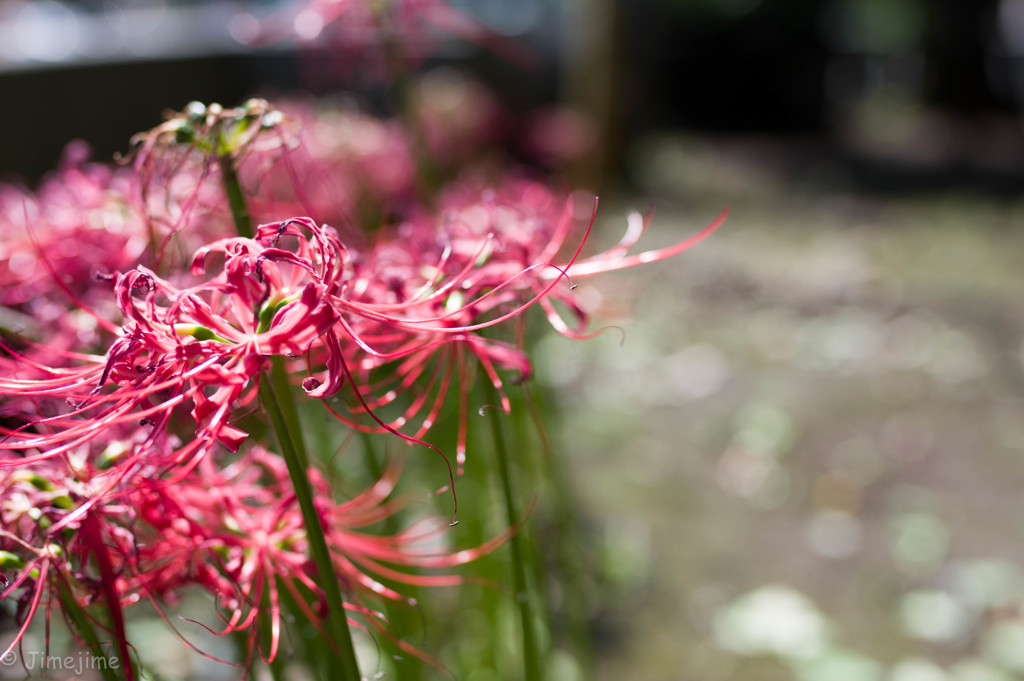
<point x="275" y="391"/>
<point x="236" y="199"/>
<point x="517" y="544"/>
<point x="281" y="385"/>
<point x="336" y="625"/>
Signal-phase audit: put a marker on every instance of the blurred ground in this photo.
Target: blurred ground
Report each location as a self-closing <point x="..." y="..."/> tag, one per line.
<point x="804" y="459"/>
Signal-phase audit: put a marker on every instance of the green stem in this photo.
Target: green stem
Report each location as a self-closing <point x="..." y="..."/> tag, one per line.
<point x="517" y="545"/>
<point x="337" y="622"/>
<point x="275" y="391"/>
<point x="281" y="385"/>
<point x="107" y="665"/>
<point x="569" y="553"/>
<point x="236" y="198"/>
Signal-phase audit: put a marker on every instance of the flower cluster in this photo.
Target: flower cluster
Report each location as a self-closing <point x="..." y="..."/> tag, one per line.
<point x="128" y="466"/>
<point x="79" y="224"/>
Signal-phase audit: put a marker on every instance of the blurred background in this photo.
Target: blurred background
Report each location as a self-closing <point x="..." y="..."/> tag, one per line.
<point x="892" y="94"/>
<point x="800" y="459"/>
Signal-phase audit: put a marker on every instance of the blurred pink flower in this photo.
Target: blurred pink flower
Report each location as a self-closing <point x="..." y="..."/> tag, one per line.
<point x="384" y="39"/>
<point x="53" y="245"/>
<point x="346" y="163"/>
<point x="458" y="117"/>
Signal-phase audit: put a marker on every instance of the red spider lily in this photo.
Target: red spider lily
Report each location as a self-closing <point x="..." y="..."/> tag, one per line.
<point x="418" y="299"/>
<point x="125" y="476"/>
<point x="334" y="165"/>
<point x="235" y="531"/>
<point x="173" y="164"/>
<point x="205" y="344"/>
<point x="407" y="314"/>
<point x="49" y="551"/>
<point x="238" y="533"/>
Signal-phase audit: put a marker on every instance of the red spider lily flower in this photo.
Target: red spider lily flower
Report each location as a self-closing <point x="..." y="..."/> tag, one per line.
<point x="238" y="533"/>
<point x="173" y="163"/>
<point x="419" y="299"/>
<point x="235" y="531"/>
<point x="49" y="552"/>
<point x="205" y="344"/>
<point x="396" y="322"/>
